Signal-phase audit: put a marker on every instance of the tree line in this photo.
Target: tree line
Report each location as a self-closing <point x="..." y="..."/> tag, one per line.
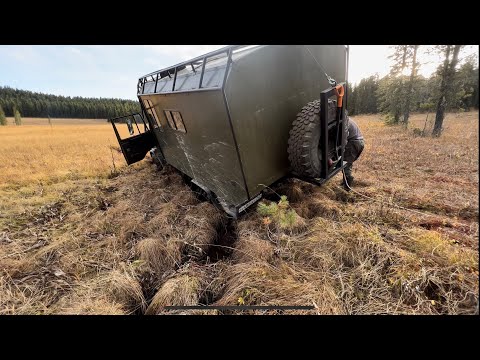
<point x="403" y="91"/>
<point x="33" y="104"/>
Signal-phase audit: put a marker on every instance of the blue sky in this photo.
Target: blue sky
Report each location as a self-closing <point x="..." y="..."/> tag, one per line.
<point x="113" y="71"/>
<point x="83" y="70"/>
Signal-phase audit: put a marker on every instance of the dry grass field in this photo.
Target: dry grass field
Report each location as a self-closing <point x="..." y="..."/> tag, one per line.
<point x="36" y="152"/>
<point x="55" y="121"/>
<point x="78" y="238"/>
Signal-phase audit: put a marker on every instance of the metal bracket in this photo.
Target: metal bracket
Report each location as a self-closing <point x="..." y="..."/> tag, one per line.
<point x="326" y="172"/>
<point x="331" y="81"/>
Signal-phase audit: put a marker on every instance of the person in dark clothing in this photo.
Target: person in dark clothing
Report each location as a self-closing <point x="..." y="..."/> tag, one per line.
<point x="353" y="149"/>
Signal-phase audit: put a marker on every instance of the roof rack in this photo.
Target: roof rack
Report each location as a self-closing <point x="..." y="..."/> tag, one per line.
<point x="194" y="64"/>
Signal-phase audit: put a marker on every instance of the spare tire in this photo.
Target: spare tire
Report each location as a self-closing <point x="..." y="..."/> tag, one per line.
<point x="303" y="151"/>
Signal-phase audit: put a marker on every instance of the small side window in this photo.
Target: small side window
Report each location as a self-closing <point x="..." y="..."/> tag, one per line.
<point x="129" y="126"/>
<point x="168" y="115"/>
<point x="175" y="120"/>
<point x="150" y="109"/>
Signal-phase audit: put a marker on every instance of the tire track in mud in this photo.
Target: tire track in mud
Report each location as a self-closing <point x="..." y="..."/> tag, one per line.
<point x="205" y="237"/>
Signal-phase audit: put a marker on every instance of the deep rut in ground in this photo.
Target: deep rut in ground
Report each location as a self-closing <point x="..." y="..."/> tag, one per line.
<point x="202" y="268"/>
<point x="224" y="243"/>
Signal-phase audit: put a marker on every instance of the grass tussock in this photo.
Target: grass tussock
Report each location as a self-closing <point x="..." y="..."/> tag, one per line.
<point x="252" y="248"/>
<point x="181" y="290"/>
<point x="160" y="255"/>
<point x="92" y="307"/>
<point x="259" y="283"/>
<point x="118" y="290"/>
<point x="431" y="244"/>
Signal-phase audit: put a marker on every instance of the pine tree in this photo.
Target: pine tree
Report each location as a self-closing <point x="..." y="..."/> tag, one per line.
<point x="41" y="105"/>
<point x="399" y="57"/>
<point x="18" y="118"/>
<point x="447" y="73"/>
<point x="363" y="100"/>
<point x="404" y="56"/>
<point x="391" y="97"/>
<point x="351" y="99"/>
<point x="409" y="94"/>
<point x="466" y="92"/>
<point x="3" y="119"/>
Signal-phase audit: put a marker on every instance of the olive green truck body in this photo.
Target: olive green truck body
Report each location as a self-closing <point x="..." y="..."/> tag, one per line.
<point x="223" y="119"/>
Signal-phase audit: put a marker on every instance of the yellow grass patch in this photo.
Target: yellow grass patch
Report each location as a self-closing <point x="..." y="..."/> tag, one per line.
<point x="29" y="154"/>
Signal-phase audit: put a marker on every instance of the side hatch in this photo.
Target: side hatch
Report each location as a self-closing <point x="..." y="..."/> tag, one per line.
<point x="134" y="136"/>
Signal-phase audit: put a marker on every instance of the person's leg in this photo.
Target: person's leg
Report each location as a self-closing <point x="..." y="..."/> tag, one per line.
<point x="349" y="157"/>
<point x="353" y="149"/>
<point x="360" y="145"/>
<point x="348" y="175"/>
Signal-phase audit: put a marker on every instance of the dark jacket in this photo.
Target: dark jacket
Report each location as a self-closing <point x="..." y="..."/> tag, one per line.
<point x="354" y="132"/>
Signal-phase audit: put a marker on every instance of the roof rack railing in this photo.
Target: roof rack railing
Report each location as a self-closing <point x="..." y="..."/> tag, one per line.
<point x="194" y="63"/>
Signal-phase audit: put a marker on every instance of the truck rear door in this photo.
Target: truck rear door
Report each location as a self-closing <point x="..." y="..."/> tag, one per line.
<point x="134" y="136"/>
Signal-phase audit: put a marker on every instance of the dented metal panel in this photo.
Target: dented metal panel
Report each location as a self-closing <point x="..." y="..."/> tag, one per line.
<point x="206" y="151"/>
<point x="236" y="117"/>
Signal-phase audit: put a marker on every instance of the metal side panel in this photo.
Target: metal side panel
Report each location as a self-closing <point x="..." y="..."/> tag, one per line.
<point x="265" y="91"/>
<point x="206" y="151"/>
